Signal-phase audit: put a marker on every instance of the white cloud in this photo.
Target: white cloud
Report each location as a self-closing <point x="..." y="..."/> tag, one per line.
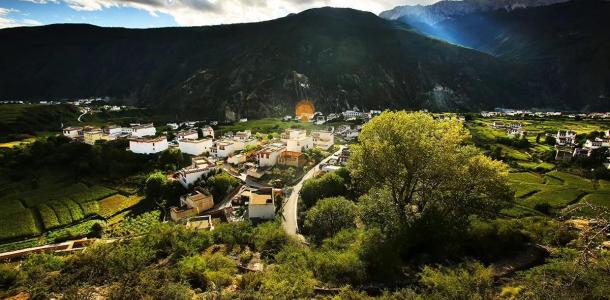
<point x="41" y="1"/>
<point x="7" y="21"/>
<point x="210" y="12"/>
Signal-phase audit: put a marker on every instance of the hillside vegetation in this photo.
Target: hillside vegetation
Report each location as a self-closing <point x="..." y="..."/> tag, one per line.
<point x="338" y="58"/>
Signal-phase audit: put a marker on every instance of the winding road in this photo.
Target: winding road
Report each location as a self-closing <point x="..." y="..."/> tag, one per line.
<point x="84" y="113"/>
<point x="289" y="217"/>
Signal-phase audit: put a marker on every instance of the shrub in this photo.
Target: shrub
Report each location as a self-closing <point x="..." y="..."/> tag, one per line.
<point x="329" y="185"/>
<point x="221" y="184"/>
<point x="468" y="281"/>
<point x="209" y="272"/>
<point x="8" y="275"/>
<point x="269" y="238"/>
<point x="544" y="208"/>
<point x="236" y="233"/>
<point x="339" y="267"/>
<point x="330" y="216"/>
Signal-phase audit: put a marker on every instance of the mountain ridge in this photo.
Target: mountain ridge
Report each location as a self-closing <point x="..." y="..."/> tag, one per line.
<point x="446" y="9"/>
<point x="337" y="58"/>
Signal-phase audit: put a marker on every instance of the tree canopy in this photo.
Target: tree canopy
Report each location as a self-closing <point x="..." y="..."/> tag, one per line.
<point x="329" y="216"/>
<point x="424" y="164"/>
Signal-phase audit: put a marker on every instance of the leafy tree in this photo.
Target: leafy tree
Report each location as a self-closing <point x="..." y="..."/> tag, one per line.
<point x="221" y="184"/>
<point x="424" y="164"/>
<point x="155" y="186"/>
<point x="329" y="185"/>
<point x="330" y="216"/>
<point x="550" y="140"/>
<point x="314" y="154"/>
<point x="172" y="159"/>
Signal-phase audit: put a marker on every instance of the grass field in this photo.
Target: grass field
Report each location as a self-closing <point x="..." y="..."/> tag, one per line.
<point x="557" y="189"/>
<point x="269" y="125"/>
<point x="113" y="205"/>
<point x="46" y="205"/>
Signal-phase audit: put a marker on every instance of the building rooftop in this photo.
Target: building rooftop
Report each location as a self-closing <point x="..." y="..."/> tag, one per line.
<point x="142" y="126"/>
<point x="185" y="133"/>
<point x="260" y="199"/>
<point x="149" y="140"/>
<point x="291" y="154"/>
<point x="195" y="141"/>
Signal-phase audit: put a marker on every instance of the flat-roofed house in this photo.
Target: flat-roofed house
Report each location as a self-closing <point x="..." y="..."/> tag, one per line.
<point x="300" y="145"/>
<point x="237" y="159"/>
<point x="143" y="130"/>
<point x="243" y="135"/>
<point x="323" y="139"/>
<point x="261" y="204"/>
<point x="199" y="166"/>
<point x="207" y="131"/>
<point x="593" y="144"/>
<point x="187" y="134"/>
<point x="192" y="204"/>
<point x="72" y="132"/>
<point x="292" y="134"/>
<point x="565" y="137"/>
<point x="148" y="145"/>
<point x="268" y="156"/>
<point x="292" y="159"/>
<point x="90" y="136"/>
<point x="194" y="146"/>
<point x="498" y="125"/>
<point x="224" y="148"/>
<point x="113" y="130"/>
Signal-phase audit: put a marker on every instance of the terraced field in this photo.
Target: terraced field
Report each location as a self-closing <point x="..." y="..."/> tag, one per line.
<point x="560" y="191"/>
<point x="48" y="205"/>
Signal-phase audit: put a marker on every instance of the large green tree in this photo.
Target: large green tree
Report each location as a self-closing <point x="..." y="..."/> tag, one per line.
<point x="425" y="164"/>
<point x="329" y="185"/>
<point x="330" y="216"/>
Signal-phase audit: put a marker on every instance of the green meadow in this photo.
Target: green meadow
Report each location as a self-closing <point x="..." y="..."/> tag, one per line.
<point x="558" y="191"/>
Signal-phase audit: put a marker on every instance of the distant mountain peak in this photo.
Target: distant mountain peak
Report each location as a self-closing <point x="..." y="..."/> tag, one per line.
<point x="442" y="10"/>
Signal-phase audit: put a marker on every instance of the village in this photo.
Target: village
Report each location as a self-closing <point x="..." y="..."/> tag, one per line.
<point x="270" y="167"/>
<point x="249" y="157"/>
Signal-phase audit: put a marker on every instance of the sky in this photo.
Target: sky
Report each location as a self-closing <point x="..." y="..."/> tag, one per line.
<point x="164" y="13"/>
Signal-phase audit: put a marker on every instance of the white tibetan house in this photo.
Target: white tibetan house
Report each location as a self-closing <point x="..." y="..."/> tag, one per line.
<point x="143" y="130"/>
<point x="148" y="145"/>
<point x="194" y="146"/>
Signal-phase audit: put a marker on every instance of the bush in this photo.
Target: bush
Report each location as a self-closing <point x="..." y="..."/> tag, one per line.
<point x="236" y="233"/>
<point x="269" y="238"/>
<point x="544" y="208"/>
<point x="8" y="275"/>
<point x="468" y="281"/>
<point x="208" y="272"/>
<point x="339" y="267"/>
<point x="221" y="184"/>
<point x="329" y="185"/>
<point x="155" y="184"/>
<point x="330" y="216"/>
